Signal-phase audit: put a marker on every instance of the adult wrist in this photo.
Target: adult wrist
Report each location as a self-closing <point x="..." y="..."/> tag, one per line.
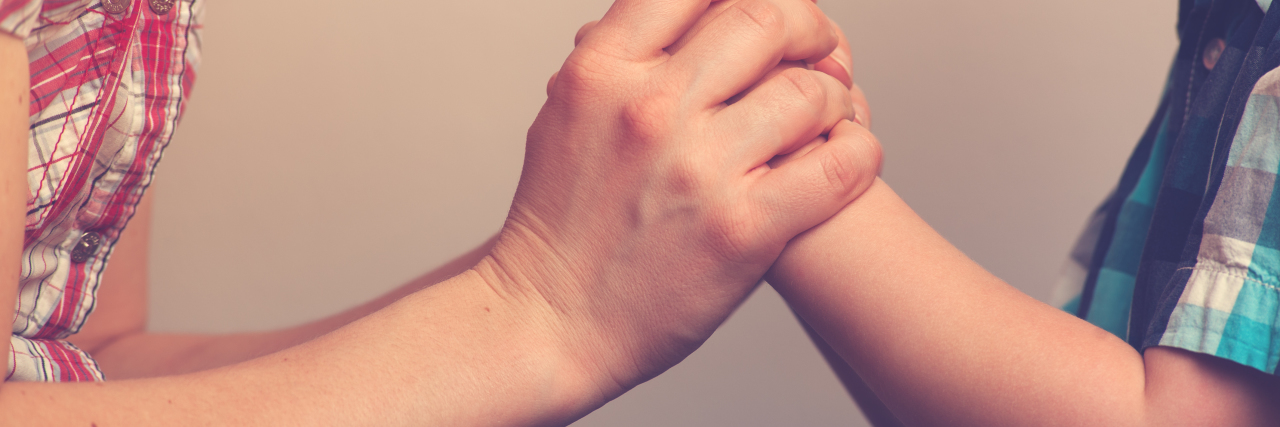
<point x="573" y="373"/>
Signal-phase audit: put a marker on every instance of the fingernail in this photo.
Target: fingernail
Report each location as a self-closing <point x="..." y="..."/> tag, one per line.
<point x="858" y="119"/>
<point x="847" y="69"/>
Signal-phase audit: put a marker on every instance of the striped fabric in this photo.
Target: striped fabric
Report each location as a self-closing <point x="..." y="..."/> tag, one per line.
<point x="106" y="93"/>
<point x="1185" y="253"/>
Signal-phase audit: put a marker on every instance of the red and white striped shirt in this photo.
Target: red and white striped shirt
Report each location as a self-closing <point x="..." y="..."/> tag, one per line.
<point x="109" y="81"/>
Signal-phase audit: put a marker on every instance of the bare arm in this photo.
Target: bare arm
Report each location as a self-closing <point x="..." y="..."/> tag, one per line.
<point x="645" y="213"/>
<point x="872" y="407"/>
<point x="374" y="370"/>
<point x="943" y="342"/>
<point x="840" y="62"/>
<point x="117" y="337"/>
<point x="15" y="87"/>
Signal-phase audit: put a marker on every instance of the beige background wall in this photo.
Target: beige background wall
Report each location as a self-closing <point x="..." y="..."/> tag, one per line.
<point x="334" y="149"/>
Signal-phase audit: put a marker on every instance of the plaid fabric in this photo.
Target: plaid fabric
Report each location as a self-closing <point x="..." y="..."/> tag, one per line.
<point x="106" y="93"/>
<point x="1185" y="253"/>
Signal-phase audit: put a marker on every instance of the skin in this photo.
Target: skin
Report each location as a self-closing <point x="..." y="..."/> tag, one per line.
<point x="647" y="210"/>
<point x="876" y="273"/>
<point x="117" y="338"/>
<point x="944" y="343"/>
<point x="14" y="89"/>
<point x="116" y="334"/>
<point x="1027" y="364"/>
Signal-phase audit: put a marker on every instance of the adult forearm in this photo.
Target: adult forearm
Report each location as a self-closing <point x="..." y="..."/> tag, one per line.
<point x="454" y="354"/>
<point x="142" y="354"/>
<point x="149" y="354"/>
<point x="646" y="212"/>
<point x="14" y="89"/>
<point x="942" y="341"/>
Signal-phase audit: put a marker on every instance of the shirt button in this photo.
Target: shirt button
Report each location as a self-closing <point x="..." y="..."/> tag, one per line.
<point x="86" y="247"/>
<point x="161" y="7"/>
<point x="115" y="6"/>
<point x="1212" y="51"/>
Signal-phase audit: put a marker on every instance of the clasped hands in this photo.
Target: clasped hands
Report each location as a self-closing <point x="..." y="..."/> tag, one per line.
<point x="682" y="145"/>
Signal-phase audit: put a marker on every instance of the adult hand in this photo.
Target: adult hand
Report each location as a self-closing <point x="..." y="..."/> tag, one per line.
<point x="838" y="65"/>
<point x="647" y="209"/>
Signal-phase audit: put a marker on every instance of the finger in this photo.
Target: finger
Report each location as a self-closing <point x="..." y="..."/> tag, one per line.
<point x="832" y="67"/>
<point x="551" y="83"/>
<point x="582" y="32"/>
<point x="786" y="111"/>
<point x="712" y="12"/>
<point x="840" y="63"/>
<point x="783" y="159"/>
<point x="783" y="66"/>
<point x="861" y="109"/>
<point x="743" y="39"/>
<point x="640" y="29"/>
<point x="811" y="188"/>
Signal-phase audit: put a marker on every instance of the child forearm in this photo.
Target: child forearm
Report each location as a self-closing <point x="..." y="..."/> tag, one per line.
<point x="943" y="342"/>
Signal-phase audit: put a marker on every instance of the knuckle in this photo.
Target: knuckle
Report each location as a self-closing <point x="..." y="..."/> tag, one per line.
<point x="867" y="149"/>
<point x="840" y="171"/>
<point x="765" y="18"/>
<point x="873" y="152"/>
<point x="590" y="68"/>
<point x="687" y="179"/>
<point x="818" y="16"/>
<point x="647" y="118"/>
<point x="841" y="168"/>
<point x="582" y="32"/>
<point x="848" y="166"/>
<point x="739" y="236"/>
<point x="581" y="71"/>
<point x="806" y="86"/>
<point x="824" y="26"/>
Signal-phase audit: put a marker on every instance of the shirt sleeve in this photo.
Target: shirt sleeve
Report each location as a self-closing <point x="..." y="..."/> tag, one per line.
<point x="18" y="17"/>
<point x="1230" y="306"/>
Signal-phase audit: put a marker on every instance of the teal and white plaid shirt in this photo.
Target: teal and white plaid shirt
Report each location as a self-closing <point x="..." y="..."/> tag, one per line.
<point x="1185" y="252"/>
